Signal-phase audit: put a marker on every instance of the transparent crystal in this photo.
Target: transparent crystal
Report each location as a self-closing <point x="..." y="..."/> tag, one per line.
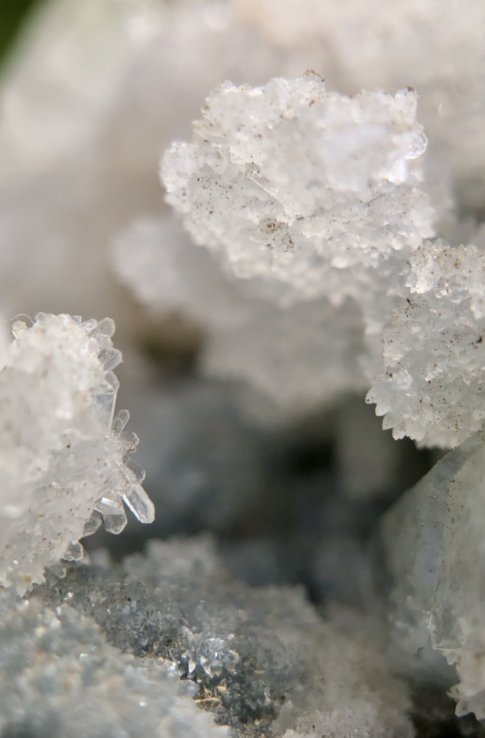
<point x="434" y="546"/>
<point x="59" y="451"/>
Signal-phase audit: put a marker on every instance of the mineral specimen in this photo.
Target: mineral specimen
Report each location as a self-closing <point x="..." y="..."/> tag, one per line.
<point x="350" y="219"/>
<point x="433" y="541"/>
<point x="434" y="354"/>
<point x="304" y="191"/>
<point x="64" y="463"/>
<point x="59" y="677"/>
<point x="337" y="258"/>
<point x="263" y="658"/>
<point x="435" y="46"/>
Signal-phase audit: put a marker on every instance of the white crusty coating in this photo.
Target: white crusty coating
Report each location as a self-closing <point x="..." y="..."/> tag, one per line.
<point x="64" y="462"/>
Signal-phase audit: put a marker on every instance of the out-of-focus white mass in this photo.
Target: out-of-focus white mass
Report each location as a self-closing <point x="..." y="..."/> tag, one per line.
<point x="64" y="458"/>
<point x="299" y="356"/>
<point x="93" y="94"/>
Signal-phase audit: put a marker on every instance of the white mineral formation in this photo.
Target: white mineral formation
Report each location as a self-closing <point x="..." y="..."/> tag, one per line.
<point x="435" y="46"/>
<point x="432" y="388"/>
<point x="306" y="192"/>
<point x="64" y="464"/>
<point x="311" y="197"/>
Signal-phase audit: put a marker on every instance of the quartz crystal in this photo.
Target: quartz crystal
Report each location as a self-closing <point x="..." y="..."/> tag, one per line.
<point x="319" y="246"/>
<point x="209" y="453"/>
<point x="64" y="463"/>
<point x="433" y="542"/>
<point x="59" y="677"/>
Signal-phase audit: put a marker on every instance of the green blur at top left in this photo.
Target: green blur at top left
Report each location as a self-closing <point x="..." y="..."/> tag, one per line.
<point x="13" y="13"/>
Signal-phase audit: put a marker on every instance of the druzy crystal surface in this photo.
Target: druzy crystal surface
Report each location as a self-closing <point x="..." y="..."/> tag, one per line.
<point x="290" y="184"/>
<point x="351" y="219"/>
<point x="59" y="677"/>
<point x="321" y="240"/>
<point x="263" y="659"/>
<point x="64" y="465"/>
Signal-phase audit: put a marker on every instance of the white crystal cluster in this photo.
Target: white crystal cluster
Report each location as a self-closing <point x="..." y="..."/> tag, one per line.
<point x="350" y="219"/>
<point x="433" y="387"/>
<point x="324" y="254"/>
<point x="435" y="46"/>
<point x="64" y="459"/>
<point x="59" y="677"/>
<point x="290" y="184"/>
<point x="58" y="119"/>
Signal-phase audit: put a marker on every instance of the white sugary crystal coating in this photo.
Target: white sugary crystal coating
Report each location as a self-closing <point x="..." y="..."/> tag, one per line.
<point x="314" y="200"/>
<point x="300" y="355"/>
<point x="433" y="385"/>
<point x="328" y="178"/>
<point x="64" y="464"/>
<point x="59" y="677"/>
<point x="290" y="185"/>
<point x="357" y="693"/>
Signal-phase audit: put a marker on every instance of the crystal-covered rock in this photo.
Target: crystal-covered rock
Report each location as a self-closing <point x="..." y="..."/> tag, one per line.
<point x="62" y="456"/>
<point x="59" y="677"/>
<point x="263" y="658"/>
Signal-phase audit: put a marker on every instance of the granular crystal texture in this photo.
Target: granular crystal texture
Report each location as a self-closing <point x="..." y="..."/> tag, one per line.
<point x="433" y="539"/>
<point x="302" y="190"/>
<point x="263" y="658"/>
<point x="59" y="677"/>
<point x="330" y="182"/>
<point x="434" y="349"/>
<point x="64" y="460"/>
